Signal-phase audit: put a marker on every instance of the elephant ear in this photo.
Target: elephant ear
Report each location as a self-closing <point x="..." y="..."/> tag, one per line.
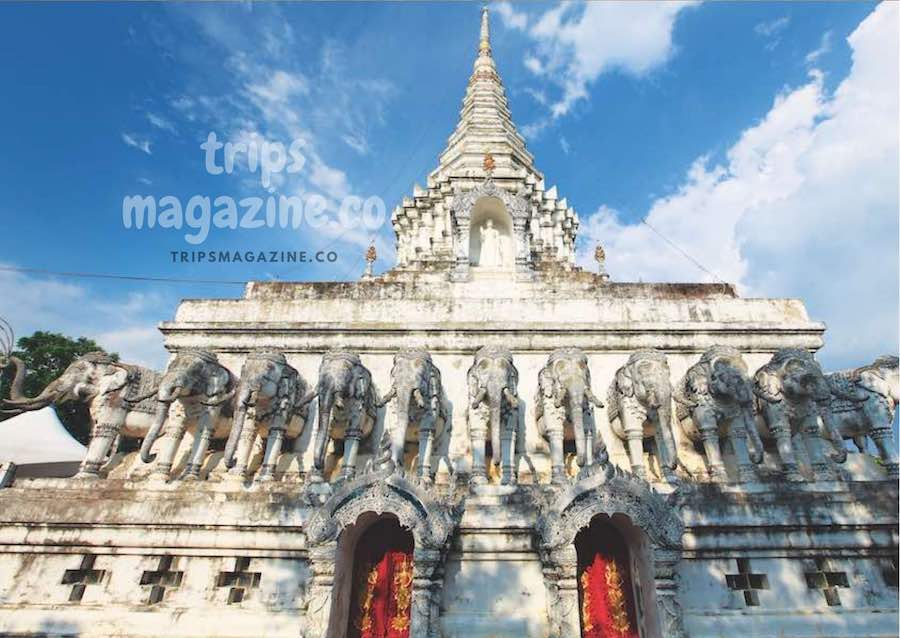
<point x="624" y="382"/>
<point x="767" y="386"/>
<point x="219" y="381"/>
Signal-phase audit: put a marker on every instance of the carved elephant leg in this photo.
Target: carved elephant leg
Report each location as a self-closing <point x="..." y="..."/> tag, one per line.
<point x="789" y="466"/>
<point x="738" y="436"/>
<point x="352" y="437"/>
<point x="98" y="449"/>
<point x="274" y="441"/>
<point x="478" y="435"/>
<point x="244" y="449"/>
<point x="633" y="427"/>
<point x="507" y="455"/>
<point x="201" y="445"/>
<point x="884" y="441"/>
<point x="171" y="440"/>
<point x="714" y="465"/>
<point x="815" y="447"/>
<point x="557" y="461"/>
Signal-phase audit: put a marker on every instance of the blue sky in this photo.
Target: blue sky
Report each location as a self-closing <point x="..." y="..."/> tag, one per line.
<point x="719" y="122"/>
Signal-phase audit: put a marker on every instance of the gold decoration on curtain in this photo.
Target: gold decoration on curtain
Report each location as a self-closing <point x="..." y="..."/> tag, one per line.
<point x="616" y="598"/>
<point x="403" y="579"/>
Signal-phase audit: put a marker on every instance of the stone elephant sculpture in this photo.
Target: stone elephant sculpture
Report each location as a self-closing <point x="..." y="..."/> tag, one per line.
<point x="418" y="392"/>
<point x="204" y="388"/>
<point x="271" y="393"/>
<point x="715" y="401"/>
<point x="119" y="396"/>
<point x="793" y="396"/>
<point x="493" y="409"/>
<point x="563" y="410"/>
<point x="863" y="405"/>
<point x="640" y="407"/>
<point x="347" y="409"/>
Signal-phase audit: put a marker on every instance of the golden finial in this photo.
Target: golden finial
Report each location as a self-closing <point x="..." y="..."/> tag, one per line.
<point x="371" y="256"/>
<point x="488" y="164"/>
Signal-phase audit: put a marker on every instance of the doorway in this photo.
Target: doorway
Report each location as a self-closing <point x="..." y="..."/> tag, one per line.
<point x="606" y="592"/>
<point x="381" y="593"/>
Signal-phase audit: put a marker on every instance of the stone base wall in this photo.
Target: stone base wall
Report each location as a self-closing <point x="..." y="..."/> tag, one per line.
<point x="88" y="558"/>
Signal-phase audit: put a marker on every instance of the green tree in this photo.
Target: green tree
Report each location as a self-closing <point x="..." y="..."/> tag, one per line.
<point x="46" y="356"/>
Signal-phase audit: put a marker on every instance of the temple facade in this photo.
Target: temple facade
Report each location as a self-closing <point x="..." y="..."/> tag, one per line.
<point x="485" y="440"/>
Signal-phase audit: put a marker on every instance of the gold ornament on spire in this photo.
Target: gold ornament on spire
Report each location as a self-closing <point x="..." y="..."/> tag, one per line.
<point x="488" y="164"/>
<point x="371" y="256"/>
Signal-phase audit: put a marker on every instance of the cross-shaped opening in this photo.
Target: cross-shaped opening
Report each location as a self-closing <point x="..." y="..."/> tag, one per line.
<point x="240" y="580"/>
<point x="828" y="581"/>
<point x="82" y="577"/>
<point x="160" y="579"/>
<point x="747" y="582"/>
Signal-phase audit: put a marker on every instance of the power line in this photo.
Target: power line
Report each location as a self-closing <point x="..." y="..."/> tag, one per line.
<point x="684" y="254"/>
<point x="95" y="275"/>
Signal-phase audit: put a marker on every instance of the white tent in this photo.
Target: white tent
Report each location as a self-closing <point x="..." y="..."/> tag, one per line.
<point x="39" y="445"/>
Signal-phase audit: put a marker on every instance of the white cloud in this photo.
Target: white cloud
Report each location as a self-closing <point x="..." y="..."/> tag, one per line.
<point x="131" y="139"/>
<point x="126" y="325"/>
<point x="772" y="27"/>
<point x="805" y="205"/>
<point x="161" y="122"/>
<point x="511" y="18"/>
<point x="824" y="47"/>
<point x="576" y="43"/>
<point x="564" y="145"/>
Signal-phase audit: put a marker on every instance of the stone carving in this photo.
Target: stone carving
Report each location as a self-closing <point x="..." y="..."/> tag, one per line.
<point x="640" y="406"/>
<point x="273" y="393"/>
<point x="491" y="254"/>
<point x="863" y="405"/>
<point x="564" y="513"/>
<point x="493" y="405"/>
<point x="418" y="393"/>
<point x="563" y="410"/>
<point x="204" y="388"/>
<point x="715" y="401"/>
<point x="430" y="517"/>
<point x="793" y="396"/>
<point x="119" y="396"/>
<point x="347" y="409"/>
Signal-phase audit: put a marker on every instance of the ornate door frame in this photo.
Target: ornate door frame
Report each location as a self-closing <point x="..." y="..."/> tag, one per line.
<point x="565" y="513"/>
<point x="430" y="519"/>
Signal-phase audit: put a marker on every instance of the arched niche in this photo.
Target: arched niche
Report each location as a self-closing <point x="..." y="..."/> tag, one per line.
<point x="489" y="215"/>
<point x="335" y="528"/>
<point x="652" y="530"/>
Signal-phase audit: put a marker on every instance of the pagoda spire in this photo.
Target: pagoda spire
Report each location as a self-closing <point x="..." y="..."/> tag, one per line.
<point x="485" y="124"/>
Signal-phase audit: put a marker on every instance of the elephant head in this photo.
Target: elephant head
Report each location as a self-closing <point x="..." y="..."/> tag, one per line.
<point x="347" y="407"/>
<point x="564" y="387"/>
<point x="642" y="401"/>
<point x="417" y="388"/>
<point x="881" y="377"/>
<point x="193" y="375"/>
<point x="88" y="377"/>
<point x="269" y="385"/>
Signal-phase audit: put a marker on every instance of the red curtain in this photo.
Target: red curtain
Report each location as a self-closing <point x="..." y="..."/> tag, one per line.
<point x="382" y="583"/>
<point x="604" y="585"/>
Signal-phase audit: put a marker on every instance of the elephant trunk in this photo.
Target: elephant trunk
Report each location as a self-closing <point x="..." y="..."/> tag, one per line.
<point x="576" y="414"/>
<point x="237" y="426"/>
<point x="326" y="403"/>
<point x="26" y="404"/>
<point x="17" y="387"/>
<point x="495" y="399"/>
<point x="665" y="424"/>
<point x="162" y="411"/>
<point x="754" y="441"/>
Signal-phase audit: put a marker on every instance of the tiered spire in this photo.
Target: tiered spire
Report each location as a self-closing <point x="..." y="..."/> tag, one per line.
<point x="485" y="124"/>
